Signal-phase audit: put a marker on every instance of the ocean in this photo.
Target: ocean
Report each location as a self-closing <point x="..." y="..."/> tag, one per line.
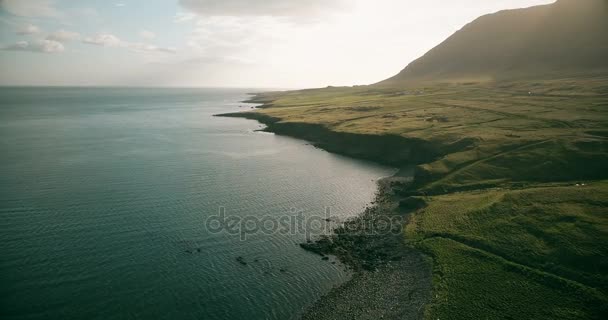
<point x="138" y="203"/>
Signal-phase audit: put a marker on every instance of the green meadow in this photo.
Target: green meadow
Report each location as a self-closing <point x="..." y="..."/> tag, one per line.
<point x="539" y="251"/>
<point x="516" y="195"/>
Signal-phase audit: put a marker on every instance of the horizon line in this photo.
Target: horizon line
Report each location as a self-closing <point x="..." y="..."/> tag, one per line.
<point x="145" y="87"/>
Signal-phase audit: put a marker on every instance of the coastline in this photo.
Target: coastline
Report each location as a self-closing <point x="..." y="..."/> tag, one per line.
<point x="484" y="204"/>
<point x="388" y="150"/>
<point x="391" y="279"/>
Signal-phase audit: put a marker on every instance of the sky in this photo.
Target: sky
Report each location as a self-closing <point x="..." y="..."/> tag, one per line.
<point x="224" y="43"/>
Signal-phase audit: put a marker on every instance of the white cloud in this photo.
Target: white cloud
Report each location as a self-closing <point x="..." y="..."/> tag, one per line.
<point x="232" y="32"/>
<point x="149" y="47"/>
<point x="277" y="8"/>
<point x="30" y="8"/>
<point x="148" y="35"/>
<point x="110" y="40"/>
<point x="64" y="36"/>
<point x="28" y="29"/>
<point x="43" y="46"/>
<point x="104" y="39"/>
<point x="236" y="39"/>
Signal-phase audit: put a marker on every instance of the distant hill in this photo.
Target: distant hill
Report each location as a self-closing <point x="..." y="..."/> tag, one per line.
<point x="564" y="38"/>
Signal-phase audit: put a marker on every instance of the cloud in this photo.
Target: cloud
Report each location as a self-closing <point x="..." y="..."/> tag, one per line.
<point x="31" y="8"/>
<point x="148" y="35"/>
<point x="42" y="46"/>
<point x="110" y="40"/>
<point x="277" y="8"/>
<point x="28" y="29"/>
<point x="104" y="39"/>
<point x="149" y="47"/>
<point x="234" y="32"/>
<point x="233" y="41"/>
<point x="63" y="36"/>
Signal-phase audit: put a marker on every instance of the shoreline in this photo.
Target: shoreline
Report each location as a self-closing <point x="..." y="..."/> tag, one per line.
<point x="376" y="148"/>
<point x="505" y="205"/>
<point x="390" y="279"/>
<point x="503" y="208"/>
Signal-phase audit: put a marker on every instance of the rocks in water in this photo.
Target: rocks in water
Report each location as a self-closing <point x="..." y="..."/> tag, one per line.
<point x="368" y="241"/>
<point x="322" y="246"/>
<point x="241" y="260"/>
<point x="325" y="258"/>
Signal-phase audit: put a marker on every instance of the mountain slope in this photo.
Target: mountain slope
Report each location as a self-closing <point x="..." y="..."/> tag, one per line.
<point x="565" y="38"/>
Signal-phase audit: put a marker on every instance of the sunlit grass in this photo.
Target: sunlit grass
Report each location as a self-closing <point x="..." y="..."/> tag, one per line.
<point x="538" y="252"/>
<point x="516" y="217"/>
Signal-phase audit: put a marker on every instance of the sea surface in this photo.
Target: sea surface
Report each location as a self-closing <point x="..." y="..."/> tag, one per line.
<point x="111" y="203"/>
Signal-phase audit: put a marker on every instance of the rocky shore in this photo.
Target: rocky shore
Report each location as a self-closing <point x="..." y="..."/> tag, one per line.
<point x="391" y="279"/>
<point x="512" y="195"/>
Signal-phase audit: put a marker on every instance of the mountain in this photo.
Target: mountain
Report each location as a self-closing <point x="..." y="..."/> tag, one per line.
<point x="567" y="37"/>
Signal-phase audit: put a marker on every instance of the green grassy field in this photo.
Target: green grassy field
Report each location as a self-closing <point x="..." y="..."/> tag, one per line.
<point x="516" y="245"/>
<point x="511" y="234"/>
<point x="486" y="133"/>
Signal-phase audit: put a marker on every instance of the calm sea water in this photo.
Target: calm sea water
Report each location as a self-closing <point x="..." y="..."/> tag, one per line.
<point x="105" y="194"/>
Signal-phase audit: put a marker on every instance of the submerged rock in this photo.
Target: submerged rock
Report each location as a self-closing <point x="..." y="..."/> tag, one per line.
<point x="241" y="260"/>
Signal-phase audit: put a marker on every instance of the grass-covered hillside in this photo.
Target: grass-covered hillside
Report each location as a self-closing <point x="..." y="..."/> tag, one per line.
<point x="538" y="253"/>
<point x="516" y="215"/>
<point x="482" y="134"/>
<point x="511" y="171"/>
<point x="565" y="37"/>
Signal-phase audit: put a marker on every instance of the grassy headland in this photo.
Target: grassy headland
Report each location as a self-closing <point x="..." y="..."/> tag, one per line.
<point x="509" y="197"/>
<point x="510" y="192"/>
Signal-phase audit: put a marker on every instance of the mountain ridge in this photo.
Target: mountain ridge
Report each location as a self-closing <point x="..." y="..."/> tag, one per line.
<point x="555" y="40"/>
